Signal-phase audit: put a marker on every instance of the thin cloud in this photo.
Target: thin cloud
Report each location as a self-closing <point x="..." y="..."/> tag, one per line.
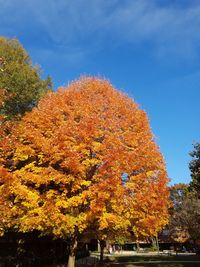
<point x="172" y="30"/>
<point x="169" y="29"/>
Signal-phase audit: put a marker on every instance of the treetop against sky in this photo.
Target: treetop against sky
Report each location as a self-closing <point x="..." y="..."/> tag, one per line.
<point x="149" y="49"/>
<point x="63" y="167"/>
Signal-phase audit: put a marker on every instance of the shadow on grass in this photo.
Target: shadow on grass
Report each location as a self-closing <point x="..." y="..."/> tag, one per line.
<point x="152" y="261"/>
<point x="185" y="264"/>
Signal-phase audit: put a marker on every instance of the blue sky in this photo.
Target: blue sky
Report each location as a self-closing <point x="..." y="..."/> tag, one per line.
<point x="149" y="49"/>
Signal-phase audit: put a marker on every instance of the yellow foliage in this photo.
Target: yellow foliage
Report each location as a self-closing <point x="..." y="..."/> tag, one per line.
<point x="84" y="160"/>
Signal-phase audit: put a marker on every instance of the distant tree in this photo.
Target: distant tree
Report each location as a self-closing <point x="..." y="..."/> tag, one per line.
<point x="85" y="160"/>
<point x="177" y="227"/>
<point x="178" y="193"/>
<point x="20" y="83"/>
<point x="185" y="214"/>
<point x="188" y="217"/>
<point x="194" y="166"/>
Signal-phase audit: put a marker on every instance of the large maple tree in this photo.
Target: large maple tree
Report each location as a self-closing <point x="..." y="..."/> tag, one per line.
<point x="85" y="159"/>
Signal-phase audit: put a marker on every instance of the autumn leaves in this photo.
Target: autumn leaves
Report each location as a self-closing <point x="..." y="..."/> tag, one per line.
<point x="67" y="162"/>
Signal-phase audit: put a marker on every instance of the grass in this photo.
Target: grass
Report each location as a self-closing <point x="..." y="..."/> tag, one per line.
<point x="171" y="264"/>
<point x="152" y="261"/>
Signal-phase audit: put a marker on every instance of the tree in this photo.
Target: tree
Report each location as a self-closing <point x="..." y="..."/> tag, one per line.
<point x="195" y="169"/>
<point x="6" y="204"/>
<point x="178" y="193"/>
<point x="189" y="217"/>
<point x="20" y="81"/>
<point x="177" y="227"/>
<point x="185" y="214"/>
<point x="85" y="160"/>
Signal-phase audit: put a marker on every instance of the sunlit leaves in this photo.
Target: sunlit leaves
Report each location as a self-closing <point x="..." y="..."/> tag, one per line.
<point x="20" y="82"/>
<point x="85" y="160"/>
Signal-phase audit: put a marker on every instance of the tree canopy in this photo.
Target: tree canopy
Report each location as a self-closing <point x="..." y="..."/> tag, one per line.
<point x="178" y="230"/>
<point x="185" y="215"/>
<point x="195" y="169"/>
<point x="85" y="158"/>
<point x="20" y="83"/>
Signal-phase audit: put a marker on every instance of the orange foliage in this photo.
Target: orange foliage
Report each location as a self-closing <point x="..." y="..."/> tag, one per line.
<point x="70" y="156"/>
<point x="7" y="209"/>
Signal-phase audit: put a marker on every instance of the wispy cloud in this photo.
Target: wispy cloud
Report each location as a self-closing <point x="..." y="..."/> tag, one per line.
<point x="170" y="29"/>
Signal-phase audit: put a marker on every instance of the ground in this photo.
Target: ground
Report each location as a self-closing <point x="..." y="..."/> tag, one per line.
<point x="141" y="260"/>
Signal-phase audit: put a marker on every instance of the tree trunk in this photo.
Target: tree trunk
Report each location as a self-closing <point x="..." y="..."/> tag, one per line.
<point x="195" y="245"/>
<point x="102" y="246"/>
<point x="137" y="245"/>
<point x="176" y="249"/>
<point x="98" y="246"/>
<point x="72" y="252"/>
<point x="20" y="251"/>
<point x="157" y="243"/>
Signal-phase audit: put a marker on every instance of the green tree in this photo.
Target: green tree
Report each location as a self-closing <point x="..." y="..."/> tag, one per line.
<point x="194" y="166"/>
<point x="20" y="83"/>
